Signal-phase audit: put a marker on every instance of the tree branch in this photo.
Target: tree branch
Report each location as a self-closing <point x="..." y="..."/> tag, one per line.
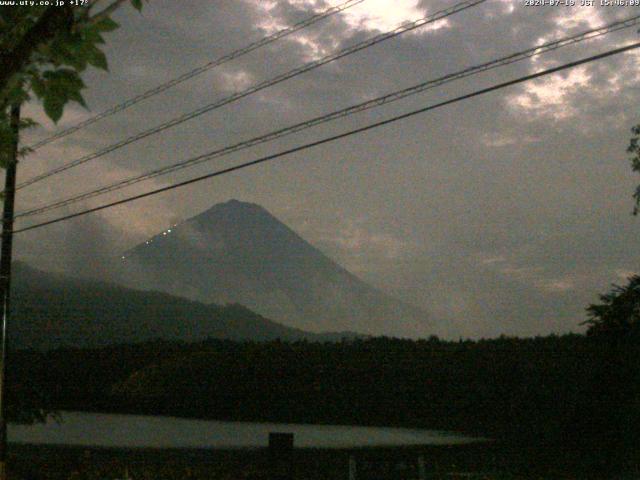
<point x="53" y="21"/>
<point x="107" y="11"/>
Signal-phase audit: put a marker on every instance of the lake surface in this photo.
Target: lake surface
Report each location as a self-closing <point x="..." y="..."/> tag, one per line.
<point x="108" y="430"/>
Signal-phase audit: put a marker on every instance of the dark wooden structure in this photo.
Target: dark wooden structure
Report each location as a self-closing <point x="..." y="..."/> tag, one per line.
<point x="281" y="456"/>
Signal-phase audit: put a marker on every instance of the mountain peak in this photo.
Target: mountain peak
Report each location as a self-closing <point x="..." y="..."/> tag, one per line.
<point x="238" y="252"/>
<point x="234" y="204"/>
<point x="238" y="203"/>
<point x="234" y="210"/>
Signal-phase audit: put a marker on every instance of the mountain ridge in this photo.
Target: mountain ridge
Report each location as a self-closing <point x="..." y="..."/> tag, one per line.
<point x="52" y="310"/>
<point x="238" y="252"/>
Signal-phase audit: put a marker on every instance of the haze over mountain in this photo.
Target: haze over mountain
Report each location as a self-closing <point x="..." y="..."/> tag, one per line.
<point x="52" y="310"/>
<point x="238" y="252"/>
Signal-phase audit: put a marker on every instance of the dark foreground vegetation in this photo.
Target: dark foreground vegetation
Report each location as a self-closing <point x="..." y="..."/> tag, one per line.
<point x="574" y="394"/>
<point x="493" y="461"/>
<point x="554" y="407"/>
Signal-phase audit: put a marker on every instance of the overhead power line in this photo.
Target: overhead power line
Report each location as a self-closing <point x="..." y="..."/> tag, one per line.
<point x="406" y="27"/>
<point x="333" y="138"/>
<point x="197" y="71"/>
<point x="360" y="107"/>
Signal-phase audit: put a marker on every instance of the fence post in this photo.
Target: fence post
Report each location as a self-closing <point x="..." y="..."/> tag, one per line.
<point x="422" y="471"/>
<point x="352" y="467"/>
<point x="281" y="456"/>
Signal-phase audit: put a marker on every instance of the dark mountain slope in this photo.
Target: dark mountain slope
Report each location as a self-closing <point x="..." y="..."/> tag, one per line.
<point x="50" y="310"/>
<point x="238" y="252"/>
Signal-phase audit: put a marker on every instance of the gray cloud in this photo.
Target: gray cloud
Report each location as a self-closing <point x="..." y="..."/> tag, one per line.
<point x="534" y="177"/>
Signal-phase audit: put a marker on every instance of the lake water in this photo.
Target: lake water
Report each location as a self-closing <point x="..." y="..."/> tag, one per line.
<point x="108" y="430"/>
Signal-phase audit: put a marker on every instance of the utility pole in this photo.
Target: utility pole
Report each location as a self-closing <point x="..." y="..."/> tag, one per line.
<point x="5" y="277"/>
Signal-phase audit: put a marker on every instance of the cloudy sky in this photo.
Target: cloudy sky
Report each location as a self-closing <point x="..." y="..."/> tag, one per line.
<point x="507" y="213"/>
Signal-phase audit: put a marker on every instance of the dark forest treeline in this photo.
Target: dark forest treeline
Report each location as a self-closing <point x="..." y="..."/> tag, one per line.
<point x="569" y="387"/>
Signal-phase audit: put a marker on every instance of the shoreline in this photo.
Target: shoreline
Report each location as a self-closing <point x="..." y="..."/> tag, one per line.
<point x="489" y="460"/>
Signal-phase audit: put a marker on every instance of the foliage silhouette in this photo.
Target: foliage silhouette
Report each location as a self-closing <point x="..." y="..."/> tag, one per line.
<point x="44" y="48"/>
<point x="618" y="315"/>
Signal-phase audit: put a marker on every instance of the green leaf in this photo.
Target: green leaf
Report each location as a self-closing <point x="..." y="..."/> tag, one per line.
<point x="137" y="4"/>
<point x="54" y="106"/>
<point x="14" y="92"/>
<point x="69" y="52"/>
<point x="77" y="97"/>
<point x="63" y="79"/>
<point x="92" y="35"/>
<point x="60" y="86"/>
<point x="106" y="25"/>
<point x="98" y="59"/>
<point x="27" y="123"/>
<point x="38" y="86"/>
<point x="24" y="151"/>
